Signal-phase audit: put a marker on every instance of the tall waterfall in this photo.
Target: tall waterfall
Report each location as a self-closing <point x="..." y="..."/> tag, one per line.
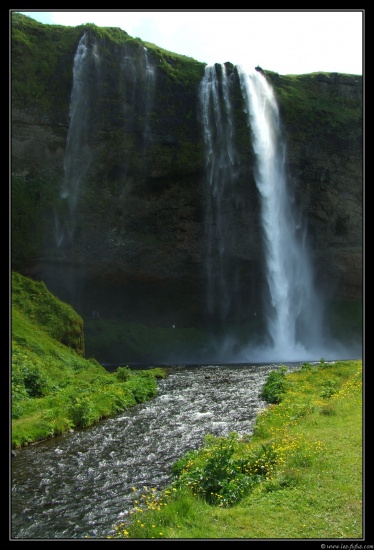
<point x="293" y="309"/>
<point x="220" y="159"/>
<point x="134" y="90"/>
<point x="295" y="315"/>
<point x="77" y="153"/>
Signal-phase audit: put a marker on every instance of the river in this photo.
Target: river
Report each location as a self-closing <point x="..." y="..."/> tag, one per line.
<point x="81" y="484"/>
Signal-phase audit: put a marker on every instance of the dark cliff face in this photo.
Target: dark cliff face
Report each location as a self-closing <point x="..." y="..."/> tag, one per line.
<point x="132" y="241"/>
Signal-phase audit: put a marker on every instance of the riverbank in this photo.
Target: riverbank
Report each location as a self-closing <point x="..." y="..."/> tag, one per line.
<point x="309" y="448"/>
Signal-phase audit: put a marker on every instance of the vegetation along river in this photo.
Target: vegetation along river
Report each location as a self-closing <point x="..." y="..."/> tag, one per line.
<point x="82" y="483"/>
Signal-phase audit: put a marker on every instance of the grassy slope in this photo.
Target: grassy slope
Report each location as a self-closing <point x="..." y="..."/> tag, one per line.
<point x="315" y="487"/>
<point x="54" y="388"/>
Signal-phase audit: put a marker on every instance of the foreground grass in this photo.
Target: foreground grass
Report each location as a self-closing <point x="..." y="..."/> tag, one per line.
<point x="298" y="477"/>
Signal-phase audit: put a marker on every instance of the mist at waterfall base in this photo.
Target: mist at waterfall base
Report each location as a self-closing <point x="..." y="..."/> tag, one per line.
<point x="287" y="324"/>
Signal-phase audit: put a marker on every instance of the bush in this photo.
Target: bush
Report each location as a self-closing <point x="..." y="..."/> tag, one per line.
<point x="143" y="386"/>
<point x="30" y="380"/>
<point x="123" y="374"/>
<point x="82" y="413"/>
<point x="275" y="386"/>
<point x="214" y="474"/>
<point x="329" y="389"/>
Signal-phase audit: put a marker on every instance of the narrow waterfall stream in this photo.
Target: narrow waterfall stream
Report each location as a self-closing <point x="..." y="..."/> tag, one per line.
<point x="77" y="157"/>
<point x="221" y="178"/>
<point x="81" y="484"/>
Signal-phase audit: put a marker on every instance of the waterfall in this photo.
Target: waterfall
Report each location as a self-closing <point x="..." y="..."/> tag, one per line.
<point x="292" y="306"/>
<point x="216" y="114"/>
<point x="77" y="153"/>
<point x="139" y="83"/>
<point x="149" y="76"/>
<point x="295" y="314"/>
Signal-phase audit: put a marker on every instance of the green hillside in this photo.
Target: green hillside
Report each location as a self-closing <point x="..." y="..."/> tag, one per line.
<point x="54" y="387"/>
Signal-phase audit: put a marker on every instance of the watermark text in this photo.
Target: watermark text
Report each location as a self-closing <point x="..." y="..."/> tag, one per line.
<point x="346" y="546"/>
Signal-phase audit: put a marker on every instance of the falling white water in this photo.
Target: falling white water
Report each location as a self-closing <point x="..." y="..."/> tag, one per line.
<point x="219" y="158"/>
<point x="149" y="80"/>
<point x="140" y="78"/>
<point x="77" y="153"/>
<point x="294" y="320"/>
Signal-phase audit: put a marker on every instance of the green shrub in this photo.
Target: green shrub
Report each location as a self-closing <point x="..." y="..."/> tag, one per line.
<point x="306" y="367"/>
<point x="30" y="380"/>
<point x="275" y="386"/>
<point x="215" y="475"/>
<point x="143" y="386"/>
<point x="329" y="389"/>
<point x="82" y="412"/>
<point x="123" y="374"/>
